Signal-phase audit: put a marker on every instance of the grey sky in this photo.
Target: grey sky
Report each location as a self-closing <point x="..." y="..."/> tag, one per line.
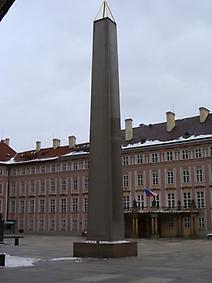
<point x="165" y="63"/>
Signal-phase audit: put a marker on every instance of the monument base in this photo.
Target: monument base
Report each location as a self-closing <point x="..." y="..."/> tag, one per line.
<point x="104" y="249"/>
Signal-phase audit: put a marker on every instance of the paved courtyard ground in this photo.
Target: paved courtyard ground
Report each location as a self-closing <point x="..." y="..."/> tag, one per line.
<point x="158" y="261"/>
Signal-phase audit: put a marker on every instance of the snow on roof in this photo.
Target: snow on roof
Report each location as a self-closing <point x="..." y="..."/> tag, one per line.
<point x="157" y="142"/>
<point x="12" y="160"/>
<point x="75" y="153"/>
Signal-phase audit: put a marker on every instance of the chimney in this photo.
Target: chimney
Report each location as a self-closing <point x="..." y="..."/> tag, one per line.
<point x="71" y="141"/>
<point x="7" y="141"/>
<point x="170" y="121"/>
<point x="128" y="129"/>
<point x="203" y="112"/>
<point x="38" y="145"/>
<point x="56" y="143"/>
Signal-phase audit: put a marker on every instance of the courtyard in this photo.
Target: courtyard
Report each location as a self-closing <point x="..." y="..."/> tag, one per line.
<point x="158" y="261"/>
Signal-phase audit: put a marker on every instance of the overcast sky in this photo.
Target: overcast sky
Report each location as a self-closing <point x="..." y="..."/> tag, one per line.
<point x="165" y="62"/>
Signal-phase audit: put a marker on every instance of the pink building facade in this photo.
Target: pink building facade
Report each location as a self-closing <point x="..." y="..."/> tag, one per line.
<point x="46" y="190"/>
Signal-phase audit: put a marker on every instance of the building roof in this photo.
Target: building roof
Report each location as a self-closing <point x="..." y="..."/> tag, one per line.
<point x="48" y="153"/>
<point x="187" y="129"/>
<point x="6" y="152"/>
<point x="4" y="7"/>
<point x="184" y="128"/>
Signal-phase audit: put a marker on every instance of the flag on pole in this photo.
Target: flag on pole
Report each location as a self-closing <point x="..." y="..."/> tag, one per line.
<point x="150" y="193"/>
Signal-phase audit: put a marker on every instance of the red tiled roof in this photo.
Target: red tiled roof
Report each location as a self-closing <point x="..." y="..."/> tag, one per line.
<point x="50" y="152"/>
<point x="6" y="152"/>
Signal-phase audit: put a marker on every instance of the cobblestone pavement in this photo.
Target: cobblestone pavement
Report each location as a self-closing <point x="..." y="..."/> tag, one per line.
<point x="158" y="261"/>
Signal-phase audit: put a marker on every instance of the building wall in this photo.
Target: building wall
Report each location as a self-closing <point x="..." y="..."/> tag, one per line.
<point x="52" y="195"/>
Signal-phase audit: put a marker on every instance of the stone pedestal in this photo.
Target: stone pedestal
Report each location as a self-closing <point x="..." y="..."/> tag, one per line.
<point x="104" y="249"/>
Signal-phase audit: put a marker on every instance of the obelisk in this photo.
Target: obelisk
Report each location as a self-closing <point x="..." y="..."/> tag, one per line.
<point x="105" y="196"/>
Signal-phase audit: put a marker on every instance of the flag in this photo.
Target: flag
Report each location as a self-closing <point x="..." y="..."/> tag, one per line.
<point x="150" y="193"/>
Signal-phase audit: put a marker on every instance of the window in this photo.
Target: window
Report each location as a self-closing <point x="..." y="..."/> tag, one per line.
<point x="125" y="181"/>
<point x="42" y="185"/>
<point x="23" y="171"/>
<point x="154" y="178"/>
<point x="64" y="184"/>
<point x="132" y="160"/>
<point x="187" y="199"/>
<point x="43" y="169"/>
<point x="74" y="225"/>
<point x="52" y="225"/>
<point x="13" y="206"/>
<point x="210" y="151"/>
<point x="171" y="200"/>
<point x="13" y="188"/>
<point x="140" y="201"/>
<point x="170" y="177"/>
<point x="200" y="199"/>
<point x="198" y="152"/>
<point x="170" y="223"/>
<point x="75" y="204"/>
<point x="31" y="224"/>
<point x="33" y="170"/>
<point x="126" y="202"/>
<point x="139" y="180"/>
<point x="58" y="167"/>
<point x="75" y="184"/>
<point x="1" y="205"/>
<point x="52" y="205"/>
<point x="53" y="168"/>
<point x="32" y="186"/>
<point x="86" y="183"/>
<point x="169" y="156"/>
<point x="186" y="178"/>
<point x="201" y="222"/>
<point x="53" y="185"/>
<point x="85" y="223"/>
<point x="81" y="165"/>
<point x="31" y="206"/>
<point x="41" y="205"/>
<point x="85" y="204"/>
<point x="157" y="201"/>
<point x="75" y="165"/>
<point x="64" y="166"/>
<point x="63" y="205"/>
<point x="154" y="157"/>
<point x="63" y="224"/>
<point x="185" y="154"/>
<point x="187" y="222"/>
<point x="41" y="224"/>
<point x="22" y="187"/>
<point x="199" y="176"/>
<point x="139" y="159"/>
<point x="21" y="224"/>
<point x="22" y="206"/>
<point x="86" y="164"/>
<point x="1" y="188"/>
<point x="125" y="160"/>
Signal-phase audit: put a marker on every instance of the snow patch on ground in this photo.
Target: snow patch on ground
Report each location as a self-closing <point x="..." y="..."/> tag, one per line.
<point x="75" y="259"/>
<point x="16" y="261"/>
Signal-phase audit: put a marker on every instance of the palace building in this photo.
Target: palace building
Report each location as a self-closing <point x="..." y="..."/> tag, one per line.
<point x="45" y="190"/>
